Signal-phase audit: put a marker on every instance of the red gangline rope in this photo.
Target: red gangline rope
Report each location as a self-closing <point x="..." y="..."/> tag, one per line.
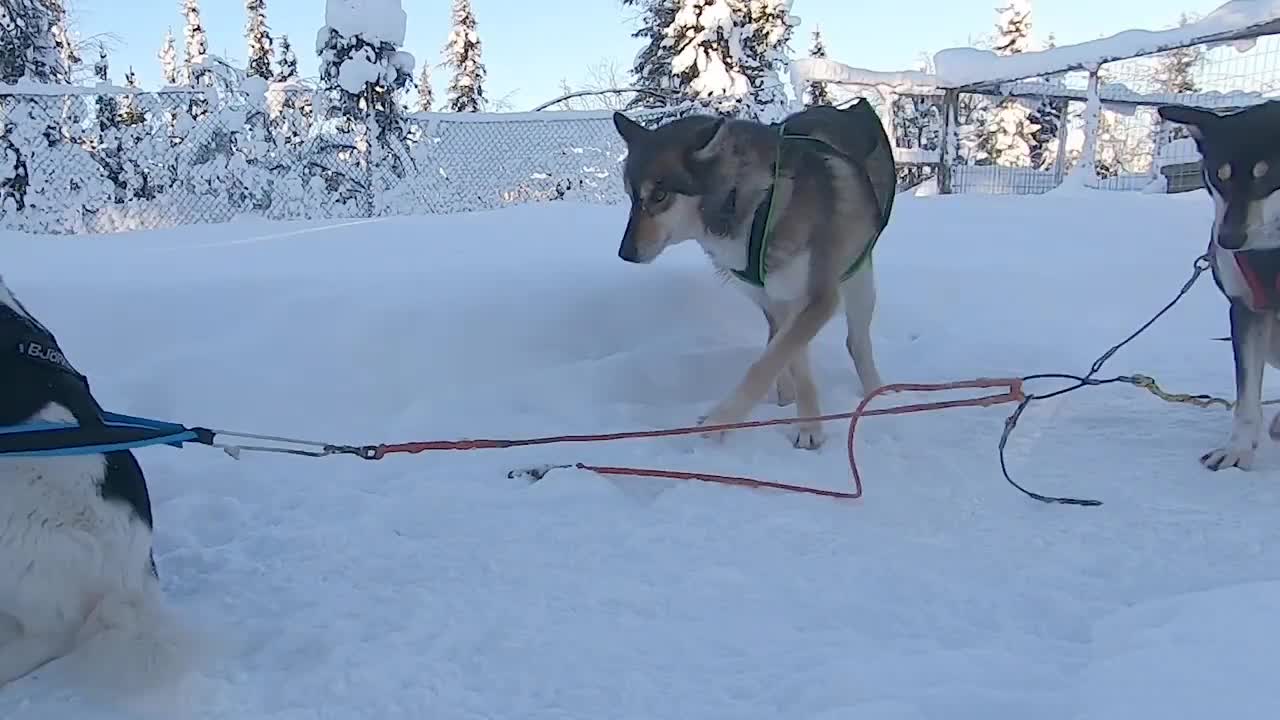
<point x="1013" y="393"/>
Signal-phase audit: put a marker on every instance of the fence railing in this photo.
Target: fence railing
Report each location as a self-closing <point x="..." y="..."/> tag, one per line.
<point x="1128" y="146"/>
<point x="93" y="163"/>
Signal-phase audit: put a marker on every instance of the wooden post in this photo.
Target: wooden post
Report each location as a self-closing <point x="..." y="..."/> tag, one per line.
<point x="949" y="150"/>
<point x="1060" y="161"/>
<point x="1092" y="117"/>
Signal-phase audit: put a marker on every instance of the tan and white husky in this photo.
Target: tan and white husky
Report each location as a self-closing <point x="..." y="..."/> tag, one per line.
<point x="789" y="213"/>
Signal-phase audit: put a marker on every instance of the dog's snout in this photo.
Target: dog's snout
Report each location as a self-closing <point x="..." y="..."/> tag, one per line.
<point x="627" y="249"/>
<point x="1232" y="239"/>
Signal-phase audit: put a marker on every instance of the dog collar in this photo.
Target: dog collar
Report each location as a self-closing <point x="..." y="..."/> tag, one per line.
<point x="1261" y="272"/>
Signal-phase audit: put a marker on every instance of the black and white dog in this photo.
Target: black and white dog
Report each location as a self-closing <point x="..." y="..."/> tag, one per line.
<point x="1241" y="171"/>
<point x="76" y="563"/>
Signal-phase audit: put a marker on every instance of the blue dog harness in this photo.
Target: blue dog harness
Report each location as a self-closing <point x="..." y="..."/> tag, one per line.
<point x="104" y="432"/>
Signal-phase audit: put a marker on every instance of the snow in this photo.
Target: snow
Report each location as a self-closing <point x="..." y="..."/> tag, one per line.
<point x="433" y="586"/>
<point x="359" y="70"/>
<point x="374" y="20"/>
<point x="807" y="70"/>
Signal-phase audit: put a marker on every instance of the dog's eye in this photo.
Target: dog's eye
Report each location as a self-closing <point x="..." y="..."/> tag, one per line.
<point x="658" y="196"/>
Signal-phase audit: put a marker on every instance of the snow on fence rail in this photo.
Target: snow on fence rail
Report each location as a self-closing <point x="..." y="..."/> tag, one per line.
<point x="84" y="160"/>
<point x="972" y="121"/>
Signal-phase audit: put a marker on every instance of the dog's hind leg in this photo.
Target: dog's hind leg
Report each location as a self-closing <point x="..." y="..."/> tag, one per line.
<point x="785" y="387"/>
<point x="1273" y="359"/>
<point x="859" y="293"/>
<point x="791" y="338"/>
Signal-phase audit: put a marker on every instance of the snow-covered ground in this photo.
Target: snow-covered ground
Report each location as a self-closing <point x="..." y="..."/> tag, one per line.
<point x="433" y="586"/>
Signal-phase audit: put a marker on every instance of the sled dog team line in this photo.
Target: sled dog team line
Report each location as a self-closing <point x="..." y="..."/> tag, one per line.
<point x="788" y="213"/>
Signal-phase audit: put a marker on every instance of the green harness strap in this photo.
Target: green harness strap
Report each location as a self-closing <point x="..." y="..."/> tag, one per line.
<point x="763" y="221"/>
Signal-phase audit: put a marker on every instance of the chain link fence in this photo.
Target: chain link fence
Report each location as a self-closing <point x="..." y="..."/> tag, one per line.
<point x="80" y="161"/>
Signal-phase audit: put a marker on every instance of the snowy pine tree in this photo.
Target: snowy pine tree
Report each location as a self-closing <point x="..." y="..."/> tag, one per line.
<point x="1013" y="28"/>
<point x="62" y="40"/>
<point x="764" y="55"/>
<point x="651" y="69"/>
<point x="1175" y="74"/>
<point x="365" y="73"/>
<point x="707" y="38"/>
<point x="258" y="37"/>
<point x="1047" y="117"/>
<point x="30" y="48"/>
<point x="287" y="68"/>
<point x="1175" y="69"/>
<point x="130" y="114"/>
<point x="168" y="59"/>
<point x="197" y="44"/>
<point x="425" y="95"/>
<point x="1011" y="131"/>
<point x="462" y="53"/>
<point x="107" y="105"/>
<point x="817" y="93"/>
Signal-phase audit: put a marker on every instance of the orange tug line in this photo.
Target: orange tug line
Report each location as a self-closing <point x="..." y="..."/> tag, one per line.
<point x="1013" y="394"/>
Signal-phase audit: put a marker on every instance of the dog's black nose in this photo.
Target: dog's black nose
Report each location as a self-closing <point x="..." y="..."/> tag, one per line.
<point x="1232" y="239"/>
<point x="627" y="253"/>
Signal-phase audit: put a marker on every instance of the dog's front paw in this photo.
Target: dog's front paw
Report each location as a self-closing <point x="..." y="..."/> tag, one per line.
<point x="1237" y="456"/>
<point x="807" y="436"/>
<point x="715" y="435"/>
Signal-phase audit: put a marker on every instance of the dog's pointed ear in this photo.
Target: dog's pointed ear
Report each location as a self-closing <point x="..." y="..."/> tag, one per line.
<point x="708" y="141"/>
<point x="1197" y="122"/>
<point x="630" y="130"/>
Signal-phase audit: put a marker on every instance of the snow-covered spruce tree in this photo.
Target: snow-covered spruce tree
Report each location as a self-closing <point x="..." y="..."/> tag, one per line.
<point x="708" y="38"/>
<point x="363" y="70"/>
<point x="764" y="55"/>
<point x="108" y="106"/>
<point x="1013" y="28"/>
<point x="292" y="104"/>
<point x="258" y="37"/>
<point x="109" y="147"/>
<point x="1010" y="130"/>
<point x="30" y="48"/>
<point x="817" y="93"/>
<point x="1175" y="69"/>
<point x="363" y="73"/>
<point x="130" y="111"/>
<point x="1047" y="116"/>
<point x="287" y="66"/>
<point x="288" y="103"/>
<point x="425" y="95"/>
<point x="651" y="69"/>
<point x="196" y="44"/>
<point x="62" y="40"/>
<point x="1175" y="74"/>
<point x="168" y="56"/>
<point x="463" y="54"/>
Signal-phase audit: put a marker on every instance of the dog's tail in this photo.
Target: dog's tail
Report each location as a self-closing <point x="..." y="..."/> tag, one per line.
<point x="133" y="643"/>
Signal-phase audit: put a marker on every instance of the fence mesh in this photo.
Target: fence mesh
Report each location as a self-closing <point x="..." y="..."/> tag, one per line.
<point x="78" y="160"/>
<point x="87" y="163"/>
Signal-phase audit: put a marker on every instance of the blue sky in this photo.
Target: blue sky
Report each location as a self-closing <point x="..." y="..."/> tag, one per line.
<point x="529" y="46"/>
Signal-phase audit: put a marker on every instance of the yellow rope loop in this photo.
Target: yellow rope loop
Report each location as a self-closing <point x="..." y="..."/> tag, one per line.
<point x="1148" y="383"/>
